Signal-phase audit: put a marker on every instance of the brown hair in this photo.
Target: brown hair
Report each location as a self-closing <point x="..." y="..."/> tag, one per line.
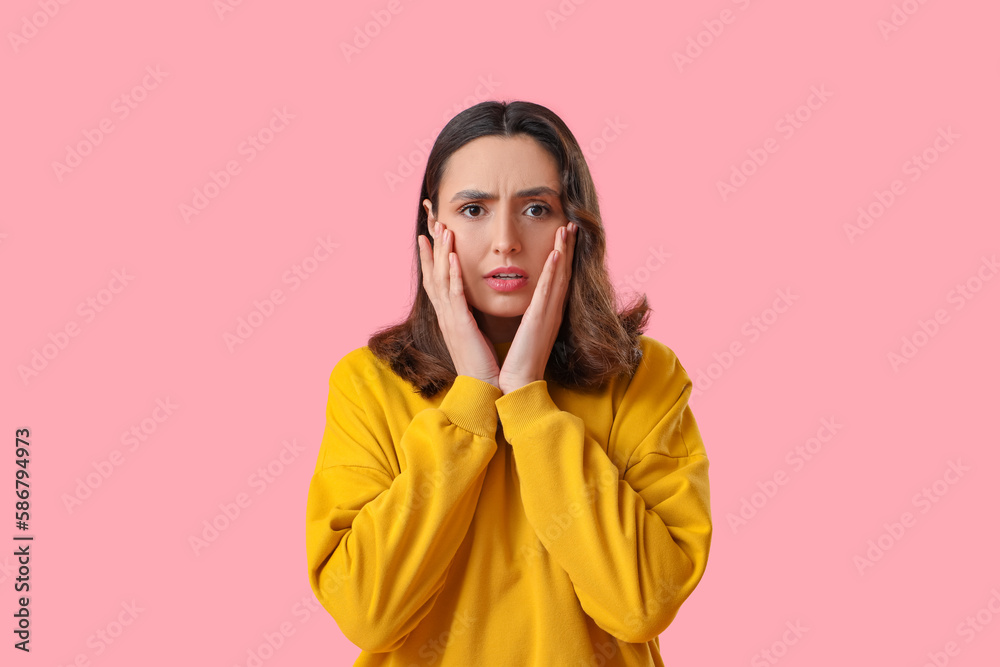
<point x="595" y="341"/>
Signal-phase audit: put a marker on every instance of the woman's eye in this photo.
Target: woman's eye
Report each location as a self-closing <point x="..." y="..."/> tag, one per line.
<point x="474" y="208"/>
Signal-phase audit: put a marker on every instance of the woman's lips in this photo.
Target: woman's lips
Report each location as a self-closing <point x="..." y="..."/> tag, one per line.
<point x="506" y="284"/>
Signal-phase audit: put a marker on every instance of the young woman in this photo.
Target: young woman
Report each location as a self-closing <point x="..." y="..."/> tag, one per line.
<point x="512" y="476"/>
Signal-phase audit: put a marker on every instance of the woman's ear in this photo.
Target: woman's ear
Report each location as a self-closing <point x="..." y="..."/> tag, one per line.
<point x="431" y="218"/>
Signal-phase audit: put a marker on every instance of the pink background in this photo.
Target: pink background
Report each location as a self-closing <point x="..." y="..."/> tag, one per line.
<point x="660" y="137"/>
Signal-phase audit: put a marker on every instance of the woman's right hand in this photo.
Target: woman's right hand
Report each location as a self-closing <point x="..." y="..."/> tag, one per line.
<point x="471" y="353"/>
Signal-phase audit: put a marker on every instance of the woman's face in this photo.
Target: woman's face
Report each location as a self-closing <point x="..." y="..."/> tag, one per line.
<point x="500" y="198"/>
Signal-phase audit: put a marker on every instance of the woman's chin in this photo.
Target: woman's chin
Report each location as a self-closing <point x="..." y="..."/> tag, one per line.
<point x="502" y="306"/>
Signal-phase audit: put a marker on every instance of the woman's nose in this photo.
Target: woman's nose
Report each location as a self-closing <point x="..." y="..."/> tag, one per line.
<point x="506" y="237"/>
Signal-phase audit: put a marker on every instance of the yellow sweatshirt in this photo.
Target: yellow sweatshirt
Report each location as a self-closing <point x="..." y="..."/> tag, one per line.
<point x="540" y="528"/>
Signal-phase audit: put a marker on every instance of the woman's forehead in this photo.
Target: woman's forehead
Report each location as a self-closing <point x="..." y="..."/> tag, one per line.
<point x="504" y="166"/>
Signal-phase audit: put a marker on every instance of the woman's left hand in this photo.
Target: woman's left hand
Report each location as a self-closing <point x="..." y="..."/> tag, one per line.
<point x="536" y="334"/>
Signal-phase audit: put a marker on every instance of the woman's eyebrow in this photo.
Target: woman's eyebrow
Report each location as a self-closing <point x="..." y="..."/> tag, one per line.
<point x="466" y="195"/>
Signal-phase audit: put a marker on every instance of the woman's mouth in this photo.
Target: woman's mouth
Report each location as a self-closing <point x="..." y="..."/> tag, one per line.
<point x="506" y="282"/>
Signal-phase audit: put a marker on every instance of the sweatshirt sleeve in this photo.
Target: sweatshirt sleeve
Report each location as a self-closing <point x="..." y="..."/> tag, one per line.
<point x="634" y="547"/>
<point x="379" y="545"/>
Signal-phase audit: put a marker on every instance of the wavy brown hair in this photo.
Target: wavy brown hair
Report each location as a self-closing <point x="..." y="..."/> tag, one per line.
<point x="596" y="341"/>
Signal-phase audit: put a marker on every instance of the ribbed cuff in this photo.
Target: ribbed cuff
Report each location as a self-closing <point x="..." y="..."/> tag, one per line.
<point x="470" y="404"/>
<point x="519" y="409"/>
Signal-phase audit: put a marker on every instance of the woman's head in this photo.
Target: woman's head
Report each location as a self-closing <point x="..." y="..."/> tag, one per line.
<point x="503" y="176"/>
<point x="501" y="197"/>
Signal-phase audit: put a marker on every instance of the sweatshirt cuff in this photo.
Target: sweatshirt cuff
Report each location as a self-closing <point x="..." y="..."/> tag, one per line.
<point x="470" y="404"/>
<point x="524" y="406"/>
